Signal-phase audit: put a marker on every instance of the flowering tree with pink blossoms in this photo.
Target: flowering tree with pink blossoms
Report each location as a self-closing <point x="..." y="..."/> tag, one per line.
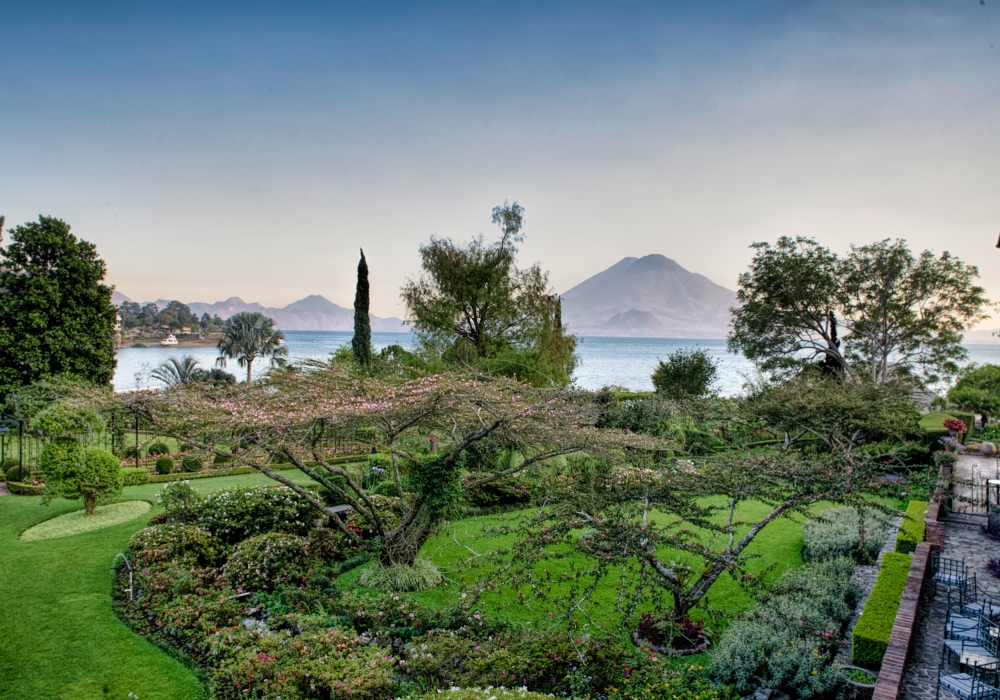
<point x="310" y="415"/>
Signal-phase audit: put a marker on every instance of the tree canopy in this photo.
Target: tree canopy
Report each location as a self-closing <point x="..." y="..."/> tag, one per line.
<point x="880" y="311"/>
<point x="482" y="310"/>
<point x="685" y="374"/>
<point x="56" y="316"/>
<point x="248" y="336"/>
<point x="977" y="390"/>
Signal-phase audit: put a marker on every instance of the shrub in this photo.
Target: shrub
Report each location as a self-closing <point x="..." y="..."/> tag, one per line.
<point x="22" y="489"/>
<point x="131" y="452"/>
<point x="177" y="498"/>
<point x="9" y="464"/>
<point x="175" y="543"/>
<point x="421" y="576"/>
<point x="158" y="448"/>
<point x="164" y="465"/>
<point x="836" y="533"/>
<point x="263" y="562"/>
<point x="499" y="492"/>
<point x="790" y="639"/>
<point x="135" y="476"/>
<point x="955" y="424"/>
<point x="237" y="513"/>
<point x="913" y="528"/>
<point x="222" y="459"/>
<point x="871" y="634"/>
<point x="183" y="476"/>
<point x="192" y="464"/>
<point x="944" y="458"/>
<point x="13" y="472"/>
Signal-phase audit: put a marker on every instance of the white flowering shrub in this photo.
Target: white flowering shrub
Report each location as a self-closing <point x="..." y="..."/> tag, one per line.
<point x="235" y="514"/>
<point x="263" y="562"/>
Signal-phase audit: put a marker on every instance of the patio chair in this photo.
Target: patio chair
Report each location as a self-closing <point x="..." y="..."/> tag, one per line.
<point x="980" y="648"/>
<point x="951" y="572"/>
<point x="978" y="682"/>
<point x="971" y="601"/>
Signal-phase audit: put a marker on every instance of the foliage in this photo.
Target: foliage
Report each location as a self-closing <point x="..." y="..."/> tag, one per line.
<point x="472" y="305"/>
<point x="175" y="316"/>
<point x="658" y="682"/>
<point x="913" y="529"/>
<point x="418" y="576"/>
<point x="192" y="464"/>
<point x="839" y="413"/>
<point x="361" y="343"/>
<point x="135" y="476"/>
<point x="178" y="371"/>
<point x="56" y="316"/>
<point x="178" y="498"/>
<point x="34" y="398"/>
<point x="263" y="562"/>
<point x="70" y="471"/>
<point x="158" y="448"/>
<point x="955" y="424"/>
<point x="183" y="476"/>
<point x="187" y="545"/>
<point x="164" y="465"/>
<point x="686" y="373"/>
<point x="871" y="634"/>
<point x="13" y="471"/>
<point x="499" y="492"/>
<point x="235" y="514"/>
<point x="789" y="641"/>
<point x="250" y="335"/>
<point x="856" y="533"/>
<point x="978" y="390"/>
<point x="64" y="421"/>
<point x="903" y="315"/>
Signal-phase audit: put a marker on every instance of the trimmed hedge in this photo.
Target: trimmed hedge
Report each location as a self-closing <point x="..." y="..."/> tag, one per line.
<point x="913" y="529"/>
<point x="164" y="465"/>
<point x="13" y="472"/>
<point x="871" y="634"/>
<point x="135" y="476"/>
<point x="192" y="464"/>
<point x="21" y="489"/>
<point x="184" y="476"/>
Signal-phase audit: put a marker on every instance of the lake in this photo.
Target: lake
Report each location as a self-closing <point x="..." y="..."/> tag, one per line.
<point x="627" y="362"/>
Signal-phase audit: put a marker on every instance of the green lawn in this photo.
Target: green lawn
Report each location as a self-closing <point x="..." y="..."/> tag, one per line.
<point x="58" y="635"/>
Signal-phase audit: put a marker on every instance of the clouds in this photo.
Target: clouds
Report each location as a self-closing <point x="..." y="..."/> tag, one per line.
<point x="251" y="150"/>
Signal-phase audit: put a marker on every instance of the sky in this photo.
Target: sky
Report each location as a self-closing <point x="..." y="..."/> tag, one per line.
<point x="250" y="149"/>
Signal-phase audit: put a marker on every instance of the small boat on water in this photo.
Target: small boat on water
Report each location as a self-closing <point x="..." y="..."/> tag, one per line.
<point x="169" y="340"/>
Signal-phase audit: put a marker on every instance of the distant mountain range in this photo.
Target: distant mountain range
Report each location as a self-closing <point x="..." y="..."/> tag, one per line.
<point x="314" y="313"/>
<point x="649" y="296"/>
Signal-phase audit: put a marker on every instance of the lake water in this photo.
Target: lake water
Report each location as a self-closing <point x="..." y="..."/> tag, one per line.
<point x="627" y="362"/>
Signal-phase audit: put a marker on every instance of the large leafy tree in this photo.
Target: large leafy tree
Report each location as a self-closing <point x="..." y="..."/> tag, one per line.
<point x="896" y="313"/>
<point x="685" y="374"/>
<point x="978" y="390"/>
<point x="248" y="336"/>
<point x="361" y="343"/>
<point x="475" y="300"/>
<point x="56" y="316"/>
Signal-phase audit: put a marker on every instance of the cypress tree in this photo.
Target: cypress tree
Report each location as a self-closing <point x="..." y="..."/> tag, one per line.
<point x="362" y="341"/>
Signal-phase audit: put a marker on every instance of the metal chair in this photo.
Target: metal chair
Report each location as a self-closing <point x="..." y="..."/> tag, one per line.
<point x="951" y="572"/>
<point x="978" y="682"/>
<point x="978" y="648"/>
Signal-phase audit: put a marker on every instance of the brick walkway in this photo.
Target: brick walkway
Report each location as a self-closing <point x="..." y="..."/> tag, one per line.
<point x="961" y="541"/>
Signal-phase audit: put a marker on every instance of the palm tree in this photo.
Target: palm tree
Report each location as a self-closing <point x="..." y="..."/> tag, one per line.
<point x="181" y="371"/>
<point x="249" y="335"/>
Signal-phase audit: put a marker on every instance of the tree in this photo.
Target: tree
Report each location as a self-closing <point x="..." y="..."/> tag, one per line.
<point x="308" y="417"/>
<point x="978" y="390"/>
<point x="247" y="336"/>
<point x="899" y="314"/>
<point x="686" y="373"/>
<point x="56" y="316"/>
<point x="476" y="303"/>
<point x="181" y="371"/>
<point x="361" y="343"/>
<point x="71" y="470"/>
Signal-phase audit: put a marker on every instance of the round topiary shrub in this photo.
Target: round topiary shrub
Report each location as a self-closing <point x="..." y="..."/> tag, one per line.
<point x="263" y="562"/>
<point x="8" y="464"/>
<point x="164" y="465"/>
<point x="178" y="543"/>
<point x="191" y="464"/>
<point x="222" y="459"/>
<point x="13" y="472"/>
<point x="158" y="448"/>
<point x="131" y="452"/>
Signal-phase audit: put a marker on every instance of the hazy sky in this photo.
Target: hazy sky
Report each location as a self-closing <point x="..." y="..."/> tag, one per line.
<point x="249" y="149"/>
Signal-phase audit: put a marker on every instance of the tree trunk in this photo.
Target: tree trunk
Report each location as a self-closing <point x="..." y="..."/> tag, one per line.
<point x="402" y="545"/>
<point x="249" y="368"/>
<point x="89" y="504"/>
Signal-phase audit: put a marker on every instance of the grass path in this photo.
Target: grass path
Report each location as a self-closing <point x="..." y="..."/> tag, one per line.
<point x="59" y="638"/>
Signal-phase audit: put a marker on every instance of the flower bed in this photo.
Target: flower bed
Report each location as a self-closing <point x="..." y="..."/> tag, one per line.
<point x="871" y="634"/>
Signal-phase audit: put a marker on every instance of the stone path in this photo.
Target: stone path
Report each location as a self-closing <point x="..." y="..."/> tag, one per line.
<point x="963" y="540"/>
<point x="4" y="491"/>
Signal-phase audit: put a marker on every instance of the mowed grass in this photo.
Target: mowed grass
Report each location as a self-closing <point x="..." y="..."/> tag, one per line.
<point x="778" y="548"/>
<point x="59" y="637"/>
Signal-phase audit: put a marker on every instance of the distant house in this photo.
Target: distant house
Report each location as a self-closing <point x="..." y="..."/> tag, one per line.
<point x="185" y="329"/>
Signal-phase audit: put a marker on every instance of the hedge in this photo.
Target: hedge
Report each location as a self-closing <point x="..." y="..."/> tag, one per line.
<point x="184" y="476"/>
<point x="871" y="635"/>
<point x="135" y="476"/>
<point x="913" y="528"/>
<point x="19" y="488"/>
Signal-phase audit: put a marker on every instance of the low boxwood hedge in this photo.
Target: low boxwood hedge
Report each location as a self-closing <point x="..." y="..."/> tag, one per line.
<point x="913" y="528"/>
<point x="871" y="634"/>
<point x="184" y="476"/>
<point x="135" y="476"/>
<point x="21" y="489"/>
